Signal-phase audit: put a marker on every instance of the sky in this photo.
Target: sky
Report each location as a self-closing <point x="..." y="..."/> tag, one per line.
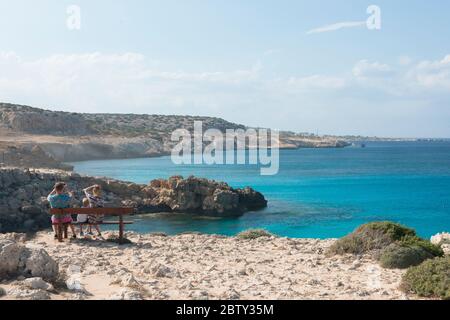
<point x="307" y="66"/>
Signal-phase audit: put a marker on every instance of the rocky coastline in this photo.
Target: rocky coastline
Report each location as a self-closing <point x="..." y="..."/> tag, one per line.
<point x="33" y="137"/>
<point x="24" y="208"/>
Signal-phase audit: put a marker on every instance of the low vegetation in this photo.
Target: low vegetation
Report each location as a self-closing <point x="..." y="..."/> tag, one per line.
<point x="394" y="245"/>
<point x="430" y="279"/>
<point x="254" y="234"/>
<point x="400" y="256"/>
<point x="371" y="236"/>
<point x="434" y="250"/>
<point x="410" y="251"/>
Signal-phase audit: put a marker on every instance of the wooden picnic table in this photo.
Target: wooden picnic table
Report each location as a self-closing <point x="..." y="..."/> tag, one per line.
<point x="120" y="212"/>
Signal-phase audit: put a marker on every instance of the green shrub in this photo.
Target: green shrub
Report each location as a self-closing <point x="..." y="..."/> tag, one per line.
<point x="434" y="250"/>
<point x="254" y="234"/>
<point x="409" y="251"/>
<point x="402" y="256"/>
<point x="371" y="236"/>
<point x="429" y="279"/>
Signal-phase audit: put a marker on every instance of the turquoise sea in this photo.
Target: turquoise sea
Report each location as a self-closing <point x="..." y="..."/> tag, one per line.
<point x="318" y="193"/>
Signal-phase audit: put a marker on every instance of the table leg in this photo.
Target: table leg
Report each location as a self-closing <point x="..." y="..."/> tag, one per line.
<point x="121" y="229"/>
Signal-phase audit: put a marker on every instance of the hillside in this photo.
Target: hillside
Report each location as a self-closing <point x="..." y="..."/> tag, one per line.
<point x="29" y="120"/>
<point x="36" y="137"/>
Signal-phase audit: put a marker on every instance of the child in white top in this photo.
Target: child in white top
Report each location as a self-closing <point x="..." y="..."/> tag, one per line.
<point x="83" y="218"/>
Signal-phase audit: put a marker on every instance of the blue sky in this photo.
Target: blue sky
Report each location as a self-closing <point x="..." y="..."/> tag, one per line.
<point x="252" y="62"/>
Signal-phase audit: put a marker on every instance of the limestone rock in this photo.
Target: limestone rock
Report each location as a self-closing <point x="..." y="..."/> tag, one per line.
<point x="18" y="260"/>
<point x="39" y="264"/>
<point x="37" y="284"/>
<point x="126" y="294"/>
<point x="73" y="283"/>
<point x="10" y="253"/>
<point x="441" y="238"/>
<point x="29" y="294"/>
<point x="202" y="196"/>
<point x="24" y="208"/>
<point x="126" y="279"/>
<point x="162" y="271"/>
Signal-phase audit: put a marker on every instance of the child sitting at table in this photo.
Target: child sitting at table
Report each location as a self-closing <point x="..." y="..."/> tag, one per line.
<point x="83" y="218"/>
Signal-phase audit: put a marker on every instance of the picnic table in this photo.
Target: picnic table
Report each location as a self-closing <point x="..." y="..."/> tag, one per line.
<point x="120" y="212"/>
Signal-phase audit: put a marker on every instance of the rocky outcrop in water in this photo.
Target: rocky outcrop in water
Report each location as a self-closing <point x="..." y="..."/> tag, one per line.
<point x="205" y="196"/>
<point x="24" y="207"/>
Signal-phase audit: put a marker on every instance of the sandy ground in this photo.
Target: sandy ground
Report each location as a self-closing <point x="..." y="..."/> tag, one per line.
<point x="193" y="266"/>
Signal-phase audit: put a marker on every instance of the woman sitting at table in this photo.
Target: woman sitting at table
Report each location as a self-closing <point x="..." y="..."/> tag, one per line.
<point x="94" y="196"/>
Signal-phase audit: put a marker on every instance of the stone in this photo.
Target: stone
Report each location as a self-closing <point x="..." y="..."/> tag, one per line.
<point x="73" y="283"/>
<point x="199" y="295"/>
<point x="37" y="283"/>
<point x="231" y="294"/>
<point x="446" y="248"/>
<point x="126" y="294"/>
<point x="24" y="207"/>
<point x="10" y="254"/>
<point x="355" y="265"/>
<point x="205" y="196"/>
<point x="28" y="294"/>
<point x="126" y="279"/>
<point x="31" y="210"/>
<point x="78" y="296"/>
<point x="162" y="271"/>
<point x="39" y="264"/>
<point x="441" y="238"/>
<point x="2" y="292"/>
<point x="29" y="224"/>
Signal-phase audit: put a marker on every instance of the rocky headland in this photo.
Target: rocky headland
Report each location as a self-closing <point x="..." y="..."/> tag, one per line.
<point x="24" y="207"/>
<point x="32" y="137"/>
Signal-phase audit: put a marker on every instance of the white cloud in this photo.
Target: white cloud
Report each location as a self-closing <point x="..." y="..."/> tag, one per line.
<point x="317" y="82"/>
<point x="432" y="74"/>
<point x="405" y="60"/>
<point x="130" y="82"/>
<point x="337" y="26"/>
<point x="365" y="68"/>
<point x="96" y="81"/>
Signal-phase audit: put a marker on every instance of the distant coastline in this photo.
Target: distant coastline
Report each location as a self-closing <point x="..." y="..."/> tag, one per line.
<point x="32" y="137"/>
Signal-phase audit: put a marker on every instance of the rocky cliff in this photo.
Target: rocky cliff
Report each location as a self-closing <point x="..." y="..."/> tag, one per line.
<point x="23" y="204"/>
<point x="66" y="137"/>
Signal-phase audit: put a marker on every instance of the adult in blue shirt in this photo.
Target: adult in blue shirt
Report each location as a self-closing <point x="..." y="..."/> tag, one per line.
<point x="60" y="198"/>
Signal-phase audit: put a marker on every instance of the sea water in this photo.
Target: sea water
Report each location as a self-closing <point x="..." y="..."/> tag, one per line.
<point x="318" y="193"/>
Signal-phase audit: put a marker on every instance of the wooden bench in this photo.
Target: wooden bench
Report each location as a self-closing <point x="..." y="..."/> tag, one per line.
<point x="120" y="212"/>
